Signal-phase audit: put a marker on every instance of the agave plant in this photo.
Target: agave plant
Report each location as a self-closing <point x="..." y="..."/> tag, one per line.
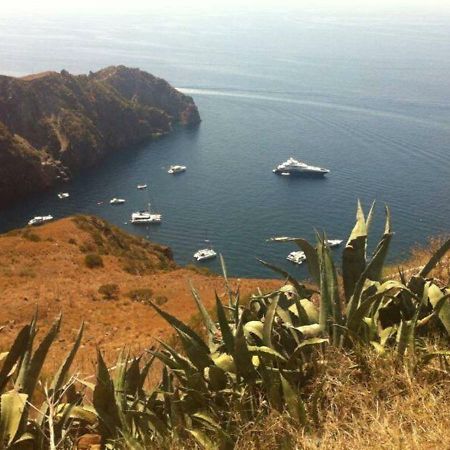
<point x="363" y="306"/>
<point x="49" y="424"/>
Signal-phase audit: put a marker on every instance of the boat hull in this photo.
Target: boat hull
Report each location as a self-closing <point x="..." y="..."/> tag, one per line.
<point x="298" y="173"/>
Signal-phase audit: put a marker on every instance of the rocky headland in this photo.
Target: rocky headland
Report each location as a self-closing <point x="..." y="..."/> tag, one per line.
<point x="54" y="124"/>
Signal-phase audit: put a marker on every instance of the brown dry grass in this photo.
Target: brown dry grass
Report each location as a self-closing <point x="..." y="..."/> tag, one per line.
<point x="50" y="273"/>
<point x="365" y="402"/>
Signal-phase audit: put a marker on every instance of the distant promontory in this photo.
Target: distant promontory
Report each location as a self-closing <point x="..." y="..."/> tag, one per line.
<point x="54" y="124"/>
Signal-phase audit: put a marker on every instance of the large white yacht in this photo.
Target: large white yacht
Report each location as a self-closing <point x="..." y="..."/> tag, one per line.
<point x="176" y="169"/>
<point x="296" y="257"/>
<point x="294" y="167"/>
<point x="205" y="253"/>
<point x="145" y="217"/>
<point x="39" y="220"/>
<point x="117" y="201"/>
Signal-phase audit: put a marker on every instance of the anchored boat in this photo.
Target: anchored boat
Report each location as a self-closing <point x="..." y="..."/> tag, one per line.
<point x="294" y="167"/>
<point x="39" y="220"/>
<point x="176" y="169"/>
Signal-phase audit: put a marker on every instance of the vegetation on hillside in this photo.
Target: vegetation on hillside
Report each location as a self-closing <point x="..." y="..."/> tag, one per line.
<point x="359" y="360"/>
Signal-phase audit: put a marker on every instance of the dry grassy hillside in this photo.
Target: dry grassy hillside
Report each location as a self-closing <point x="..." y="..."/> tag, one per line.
<point x="45" y="267"/>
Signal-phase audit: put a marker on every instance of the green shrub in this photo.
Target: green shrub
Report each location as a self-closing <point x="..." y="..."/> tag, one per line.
<point x="109" y="291"/>
<point x="141" y="295"/>
<point x="160" y="300"/>
<point x="72" y="241"/>
<point x="93" y="260"/>
<point x="33" y="237"/>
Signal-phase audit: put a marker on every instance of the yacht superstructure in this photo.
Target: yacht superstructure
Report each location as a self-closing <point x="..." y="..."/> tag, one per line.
<point x="176" y="169"/>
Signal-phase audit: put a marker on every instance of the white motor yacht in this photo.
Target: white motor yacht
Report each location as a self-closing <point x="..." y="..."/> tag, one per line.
<point x="39" y="220"/>
<point x="63" y="195"/>
<point x="294" y="167"/>
<point x="141" y="186"/>
<point x="117" y="201"/>
<point x="334" y="242"/>
<point x="296" y="257"/>
<point x="176" y="169"/>
<point x="145" y="217"/>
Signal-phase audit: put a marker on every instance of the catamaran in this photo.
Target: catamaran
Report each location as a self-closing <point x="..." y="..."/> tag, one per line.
<point x="176" y="169"/>
<point x="294" y="167"/>
<point x="39" y="220"/>
<point x="296" y="257"/>
<point x="205" y="253"/>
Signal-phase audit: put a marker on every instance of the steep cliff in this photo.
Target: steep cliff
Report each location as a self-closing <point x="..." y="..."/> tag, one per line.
<point x="53" y="124"/>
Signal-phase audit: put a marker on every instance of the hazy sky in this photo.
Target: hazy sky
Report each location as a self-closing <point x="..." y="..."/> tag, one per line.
<point x="333" y="6"/>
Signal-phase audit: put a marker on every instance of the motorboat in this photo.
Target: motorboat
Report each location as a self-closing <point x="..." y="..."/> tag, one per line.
<point x="176" y="169"/>
<point x="117" y="201"/>
<point x="296" y="257"/>
<point x="333" y="242"/>
<point x="295" y="167"/>
<point x="62" y="195"/>
<point x="141" y="186"/>
<point x="285" y="174"/>
<point x="145" y="217"/>
<point x="39" y="220"/>
<point x="205" y="253"/>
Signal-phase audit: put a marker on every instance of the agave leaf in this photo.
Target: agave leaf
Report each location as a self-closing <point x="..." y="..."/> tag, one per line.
<point x="255" y="327"/>
<point x="217" y="378"/>
<point x="431" y="264"/>
<point x="268" y="322"/>
<point x="104" y="400"/>
<point x="60" y="376"/>
<point x="227" y="335"/>
<point x="209" y="323"/>
<point x="267" y="351"/>
<point x="294" y="403"/>
<point x="203" y="439"/>
<point x="242" y="356"/>
<point x="16" y="351"/>
<point x="310" y="309"/>
<point x="312" y="259"/>
<point x="425" y="359"/>
<point x="300" y="289"/>
<point x="37" y="361"/>
<point x="441" y="305"/>
<point x="225" y="362"/>
<point x="180" y="326"/>
<point x="310" y="330"/>
<point x="196" y="353"/>
<point x="12" y="406"/>
<point x="354" y="254"/>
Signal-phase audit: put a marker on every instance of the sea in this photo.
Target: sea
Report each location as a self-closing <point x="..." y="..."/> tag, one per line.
<point x="367" y="97"/>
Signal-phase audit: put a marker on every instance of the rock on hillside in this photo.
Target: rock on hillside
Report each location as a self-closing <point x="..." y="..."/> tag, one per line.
<point x="53" y="124"/>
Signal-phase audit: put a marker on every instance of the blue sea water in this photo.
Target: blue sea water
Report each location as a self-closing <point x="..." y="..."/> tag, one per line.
<point x="366" y="97"/>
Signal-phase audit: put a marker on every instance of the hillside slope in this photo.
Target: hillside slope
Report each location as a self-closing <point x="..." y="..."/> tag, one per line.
<point x="53" y="124"/>
<point x="45" y="268"/>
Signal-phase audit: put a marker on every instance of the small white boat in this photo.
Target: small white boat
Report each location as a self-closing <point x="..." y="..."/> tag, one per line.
<point x="205" y="253"/>
<point x="39" y="220"/>
<point x="296" y="257"/>
<point x="176" y="169"/>
<point x="141" y="186"/>
<point x="63" y="195"/>
<point x="117" y="201"/>
<point x="285" y="174"/>
<point x="334" y="242"/>
<point x="145" y="217"/>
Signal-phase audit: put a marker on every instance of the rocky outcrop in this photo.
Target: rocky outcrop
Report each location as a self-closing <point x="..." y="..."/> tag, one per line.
<point x="54" y="124"/>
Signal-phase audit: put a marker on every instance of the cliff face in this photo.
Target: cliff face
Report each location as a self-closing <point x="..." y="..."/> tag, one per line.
<point x="53" y="124"/>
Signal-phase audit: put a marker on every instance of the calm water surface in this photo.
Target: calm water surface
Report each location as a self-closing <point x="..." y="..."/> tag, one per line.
<point x="368" y="98"/>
